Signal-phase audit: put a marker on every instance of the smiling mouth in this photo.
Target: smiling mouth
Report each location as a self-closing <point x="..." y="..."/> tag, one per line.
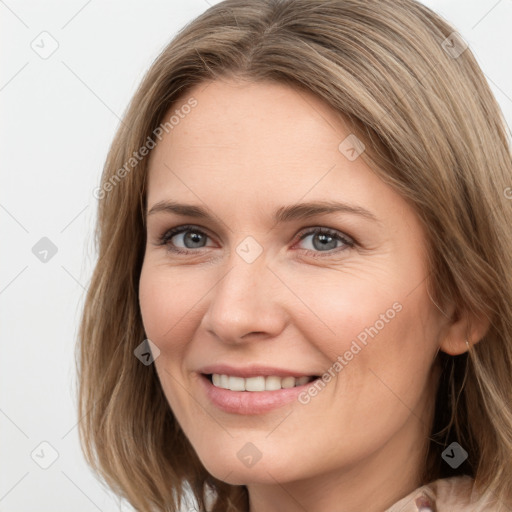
<point x="257" y="384"/>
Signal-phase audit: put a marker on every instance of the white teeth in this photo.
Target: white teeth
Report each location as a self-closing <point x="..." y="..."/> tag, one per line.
<point x="224" y="381"/>
<point x="236" y="383"/>
<point x="261" y="383"/>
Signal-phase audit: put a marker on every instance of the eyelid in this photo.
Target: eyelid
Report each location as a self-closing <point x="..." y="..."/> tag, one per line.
<point x="178" y="230"/>
<point x="348" y="241"/>
<point x="324" y="230"/>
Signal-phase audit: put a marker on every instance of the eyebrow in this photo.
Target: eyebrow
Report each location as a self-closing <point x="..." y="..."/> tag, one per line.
<point x="283" y="214"/>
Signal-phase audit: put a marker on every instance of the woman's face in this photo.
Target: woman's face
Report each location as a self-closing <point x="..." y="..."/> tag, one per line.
<point x="260" y="285"/>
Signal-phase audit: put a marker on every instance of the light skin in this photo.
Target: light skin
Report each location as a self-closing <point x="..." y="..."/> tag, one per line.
<point x="244" y="151"/>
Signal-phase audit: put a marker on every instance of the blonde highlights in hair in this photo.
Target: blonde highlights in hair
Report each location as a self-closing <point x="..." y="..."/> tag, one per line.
<point x="433" y="131"/>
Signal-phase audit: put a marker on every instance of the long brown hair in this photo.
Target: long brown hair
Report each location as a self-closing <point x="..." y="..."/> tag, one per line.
<point x="433" y="131"/>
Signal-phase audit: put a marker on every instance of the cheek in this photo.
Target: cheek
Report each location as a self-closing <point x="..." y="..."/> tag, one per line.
<point x="338" y="315"/>
<point x="389" y="374"/>
<point x="163" y="302"/>
<point x="166" y="314"/>
<point x="379" y="339"/>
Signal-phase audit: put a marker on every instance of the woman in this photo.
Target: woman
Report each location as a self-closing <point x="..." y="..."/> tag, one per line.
<point x="303" y="295"/>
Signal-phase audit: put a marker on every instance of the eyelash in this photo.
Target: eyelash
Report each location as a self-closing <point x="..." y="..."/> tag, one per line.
<point x="349" y="242"/>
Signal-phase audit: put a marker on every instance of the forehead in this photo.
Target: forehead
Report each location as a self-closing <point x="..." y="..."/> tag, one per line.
<point x="257" y="145"/>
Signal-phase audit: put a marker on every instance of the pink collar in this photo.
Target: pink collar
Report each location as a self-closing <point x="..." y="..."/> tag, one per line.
<point x="454" y="494"/>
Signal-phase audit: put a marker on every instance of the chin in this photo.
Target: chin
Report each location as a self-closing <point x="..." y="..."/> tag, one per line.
<point x="234" y="471"/>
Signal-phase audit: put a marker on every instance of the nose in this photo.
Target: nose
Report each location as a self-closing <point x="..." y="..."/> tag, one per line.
<point x="246" y="303"/>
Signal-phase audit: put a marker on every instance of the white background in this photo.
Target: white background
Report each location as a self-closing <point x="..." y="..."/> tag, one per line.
<point x="58" y="118"/>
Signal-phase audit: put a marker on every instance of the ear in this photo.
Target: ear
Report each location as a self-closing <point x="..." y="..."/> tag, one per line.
<point x="464" y="326"/>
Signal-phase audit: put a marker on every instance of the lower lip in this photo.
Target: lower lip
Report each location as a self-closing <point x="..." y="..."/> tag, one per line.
<point x="250" y="402"/>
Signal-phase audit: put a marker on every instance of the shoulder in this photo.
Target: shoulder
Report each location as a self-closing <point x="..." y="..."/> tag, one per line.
<point x="455" y="494"/>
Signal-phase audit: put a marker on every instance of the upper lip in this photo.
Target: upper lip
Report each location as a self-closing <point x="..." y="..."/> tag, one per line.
<point x="251" y="371"/>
